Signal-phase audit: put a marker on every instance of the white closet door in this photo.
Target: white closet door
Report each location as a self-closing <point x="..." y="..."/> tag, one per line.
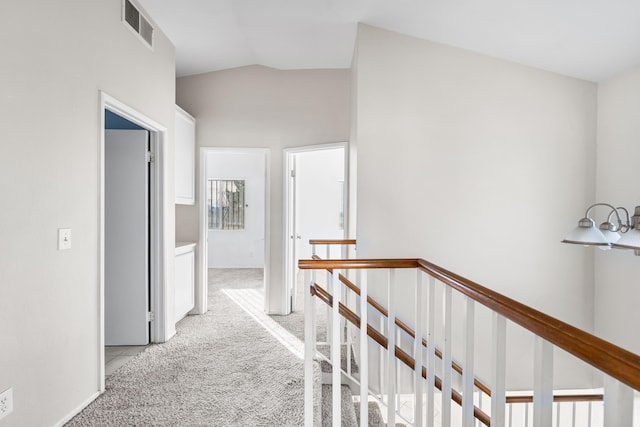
<point x="126" y="237"/>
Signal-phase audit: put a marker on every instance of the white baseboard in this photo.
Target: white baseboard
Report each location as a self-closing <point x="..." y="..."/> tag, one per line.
<point x="77" y="410"/>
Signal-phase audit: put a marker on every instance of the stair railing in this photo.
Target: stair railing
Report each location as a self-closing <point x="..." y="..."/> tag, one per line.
<point x="619" y="364"/>
<point x="582" y="409"/>
<point x="518" y="405"/>
<point x="346" y="323"/>
<point x="336" y="248"/>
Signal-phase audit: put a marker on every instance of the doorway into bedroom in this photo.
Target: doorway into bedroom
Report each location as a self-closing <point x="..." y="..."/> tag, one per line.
<point x="234" y="188"/>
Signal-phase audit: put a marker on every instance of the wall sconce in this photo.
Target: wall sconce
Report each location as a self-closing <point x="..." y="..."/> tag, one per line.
<point x="618" y="234"/>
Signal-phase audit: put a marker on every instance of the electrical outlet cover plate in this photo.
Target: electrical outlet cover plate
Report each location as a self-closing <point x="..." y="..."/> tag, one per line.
<point x="6" y="403"/>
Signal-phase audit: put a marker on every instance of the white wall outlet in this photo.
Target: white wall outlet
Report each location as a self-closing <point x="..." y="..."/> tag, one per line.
<point x="64" y="238"/>
<point x="6" y="403"/>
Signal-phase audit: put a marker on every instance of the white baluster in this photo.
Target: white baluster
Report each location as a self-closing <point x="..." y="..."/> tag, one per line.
<point x="468" y="369"/>
<point x="499" y="343"/>
<point x="347" y="325"/>
<point x="381" y="361"/>
<point x="543" y="383"/>
<point x="391" y="358"/>
<point x="343" y="321"/>
<point x="618" y="403"/>
<point x="573" y="415"/>
<point x="314" y="319"/>
<point x="510" y="414"/>
<point x="328" y="309"/>
<point x="336" y="377"/>
<point x="446" y="359"/>
<point x="399" y="344"/>
<point x="328" y="285"/>
<point x="417" y="354"/>
<point x="309" y="350"/>
<point x="364" y="351"/>
<point x="431" y="352"/>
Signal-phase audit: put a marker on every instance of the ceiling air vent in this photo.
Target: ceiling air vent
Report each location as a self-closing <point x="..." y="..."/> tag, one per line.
<point x="137" y="22"/>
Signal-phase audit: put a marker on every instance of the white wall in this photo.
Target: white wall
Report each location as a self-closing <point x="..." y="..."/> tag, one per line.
<point x="617" y="292"/>
<point x="240" y="248"/>
<point x="480" y="166"/>
<point x="52" y="72"/>
<point x="265" y="108"/>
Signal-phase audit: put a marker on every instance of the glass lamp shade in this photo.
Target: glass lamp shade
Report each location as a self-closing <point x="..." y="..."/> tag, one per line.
<point x="630" y="240"/>
<point x="587" y="234"/>
<point x="611" y="236"/>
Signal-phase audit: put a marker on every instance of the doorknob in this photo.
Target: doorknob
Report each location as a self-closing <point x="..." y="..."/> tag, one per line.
<point x="298" y="236"/>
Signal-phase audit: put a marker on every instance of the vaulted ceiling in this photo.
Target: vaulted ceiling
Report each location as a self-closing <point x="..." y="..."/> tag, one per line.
<point x="588" y="39"/>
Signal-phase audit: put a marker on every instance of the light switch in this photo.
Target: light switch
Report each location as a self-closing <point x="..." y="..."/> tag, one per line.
<point x="64" y="239"/>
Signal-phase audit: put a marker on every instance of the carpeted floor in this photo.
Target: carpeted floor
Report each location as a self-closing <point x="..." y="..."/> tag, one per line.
<point x="221" y="369"/>
<point x="294" y="322"/>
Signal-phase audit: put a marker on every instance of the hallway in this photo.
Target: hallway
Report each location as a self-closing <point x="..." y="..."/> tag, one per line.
<point x="222" y="368"/>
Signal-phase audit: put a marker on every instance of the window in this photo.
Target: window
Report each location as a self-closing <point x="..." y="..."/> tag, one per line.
<point x="226" y="203"/>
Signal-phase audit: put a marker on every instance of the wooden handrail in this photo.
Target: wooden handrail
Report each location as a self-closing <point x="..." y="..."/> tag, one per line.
<point x="614" y="361"/>
<point x="400" y="354"/>
<point x="324" y="264"/>
<point x="593" y="397"/>
<point x="332" y="242"/>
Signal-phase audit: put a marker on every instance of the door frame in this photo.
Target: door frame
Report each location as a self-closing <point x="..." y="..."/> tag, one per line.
<point x="289" y="213"/>
<point x="158" y="137"/>
<point x="203" y="287"/>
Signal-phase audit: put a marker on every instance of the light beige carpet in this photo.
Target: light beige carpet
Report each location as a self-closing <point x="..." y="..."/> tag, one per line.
<point x="221" y="369"/>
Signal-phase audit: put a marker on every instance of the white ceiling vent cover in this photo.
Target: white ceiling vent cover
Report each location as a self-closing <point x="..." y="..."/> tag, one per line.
<point x="132" y="17"/>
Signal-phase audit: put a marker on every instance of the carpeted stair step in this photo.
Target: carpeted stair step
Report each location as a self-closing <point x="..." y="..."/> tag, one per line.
<point x="326" y="351"/>
<point x="375" y="415"/>
<point x="348" y="418"/>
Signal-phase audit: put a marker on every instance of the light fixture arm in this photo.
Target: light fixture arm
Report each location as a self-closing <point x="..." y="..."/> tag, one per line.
<point x="624" y="227"/>
<point x="586" y="214"/>
<point x="609" y="226"/>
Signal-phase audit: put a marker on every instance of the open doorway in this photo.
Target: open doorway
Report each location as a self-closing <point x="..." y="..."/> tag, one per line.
<point x="131" y="160"/>
<point x="233" y="213"/>
<point x="315" y="205"/>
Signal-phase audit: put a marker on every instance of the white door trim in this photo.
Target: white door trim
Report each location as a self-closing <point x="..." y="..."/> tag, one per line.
<point x="159" y="297"/>
<point x="202" y="288"/>
<point x="288" y="208"/>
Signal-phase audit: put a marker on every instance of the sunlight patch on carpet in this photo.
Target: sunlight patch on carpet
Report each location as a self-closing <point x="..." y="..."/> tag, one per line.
<point x="251" y="301"/>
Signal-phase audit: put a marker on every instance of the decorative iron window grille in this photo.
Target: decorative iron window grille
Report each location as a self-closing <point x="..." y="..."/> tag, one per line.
<point x="226" y="204"/>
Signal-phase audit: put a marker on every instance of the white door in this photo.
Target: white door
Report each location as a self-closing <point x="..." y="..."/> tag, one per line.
<point x="126" y="237"/>
<point x="319" y="199"/>
<point x="315" y="204"/>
